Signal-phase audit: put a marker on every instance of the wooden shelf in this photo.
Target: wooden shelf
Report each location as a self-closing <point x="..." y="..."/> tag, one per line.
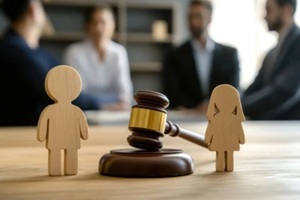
<point x="64" y="36"/>
<point x="146" y="37"/>
<point x="129" y="37"/>
<point x="68" y="3"/>
<point x="149" y="4"/>
<point x="69" y="37"/>
<point x="145" y="67"/>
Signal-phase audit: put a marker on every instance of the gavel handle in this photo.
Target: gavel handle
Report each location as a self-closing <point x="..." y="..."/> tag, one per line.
<point x="174" y="130"/>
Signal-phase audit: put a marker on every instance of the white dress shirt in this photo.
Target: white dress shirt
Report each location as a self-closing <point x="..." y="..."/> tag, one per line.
<point x="203" y="58"/>
<point x="108" y="79"/>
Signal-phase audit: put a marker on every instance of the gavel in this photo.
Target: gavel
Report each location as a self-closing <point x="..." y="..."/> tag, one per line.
<point x="148" y="123"/>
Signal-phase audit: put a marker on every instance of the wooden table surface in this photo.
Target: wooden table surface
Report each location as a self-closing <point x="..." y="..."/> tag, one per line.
<point x="267" y="167"/>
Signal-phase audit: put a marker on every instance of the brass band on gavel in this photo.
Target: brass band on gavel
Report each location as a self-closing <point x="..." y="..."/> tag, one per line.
<point x="148" y="122"/>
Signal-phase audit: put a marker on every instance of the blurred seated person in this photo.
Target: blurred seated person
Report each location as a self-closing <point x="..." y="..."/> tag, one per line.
<point x="275" y="92"/>
<point x="101" y="62"/>
<point x="24" y="66"/>
<point x="192" y="70"/>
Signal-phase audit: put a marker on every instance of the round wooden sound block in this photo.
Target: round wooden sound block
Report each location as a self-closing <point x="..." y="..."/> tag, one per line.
<point x="142" y="163"/>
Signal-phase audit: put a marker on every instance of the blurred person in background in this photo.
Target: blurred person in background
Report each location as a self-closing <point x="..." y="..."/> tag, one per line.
<point x="192" y="70"/>
<point x="24" y="66"/>
<point x="102" y="63"/>
<point x="275" y="92"/>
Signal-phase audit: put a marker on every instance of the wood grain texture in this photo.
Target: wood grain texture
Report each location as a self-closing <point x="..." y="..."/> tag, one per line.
<point x="267" y="167"/>
<point x="62" y="124"/>
<point x="224" y="132"/>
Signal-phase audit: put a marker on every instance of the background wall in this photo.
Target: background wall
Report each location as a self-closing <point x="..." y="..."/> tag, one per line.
<point x="235" y="22"/>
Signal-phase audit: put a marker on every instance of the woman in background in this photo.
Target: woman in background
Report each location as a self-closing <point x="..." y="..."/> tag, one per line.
<point x="102" y="63"/>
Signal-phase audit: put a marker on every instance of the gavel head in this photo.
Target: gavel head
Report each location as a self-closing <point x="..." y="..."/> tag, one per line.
<point x="148" y="120"/>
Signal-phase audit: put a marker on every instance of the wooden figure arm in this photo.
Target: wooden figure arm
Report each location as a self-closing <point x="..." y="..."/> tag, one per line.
<point x="83" y="125"/>
<point x="212" y="109"/>
<point x="208" y="137"/>
<point x="241" y="118"/>
<point x="242" y="137"/>
<point x="42" y="127"/>
<point x="240" y="113"/>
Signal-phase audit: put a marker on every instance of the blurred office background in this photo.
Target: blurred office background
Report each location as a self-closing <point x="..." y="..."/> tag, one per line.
<point x="149" y="28"/>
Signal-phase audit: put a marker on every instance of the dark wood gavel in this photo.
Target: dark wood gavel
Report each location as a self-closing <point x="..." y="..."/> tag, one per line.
<point x="148" y="122"/>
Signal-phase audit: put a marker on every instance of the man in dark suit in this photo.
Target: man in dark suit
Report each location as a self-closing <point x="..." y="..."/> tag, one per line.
<point x="24" y="66"/>
<point x="275" y="92"/>
<point x="192" y="70"/>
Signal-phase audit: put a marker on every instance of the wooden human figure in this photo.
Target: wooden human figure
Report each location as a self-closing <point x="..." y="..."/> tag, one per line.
<point x="62" y="124"/>
<point x="224" y="132"/>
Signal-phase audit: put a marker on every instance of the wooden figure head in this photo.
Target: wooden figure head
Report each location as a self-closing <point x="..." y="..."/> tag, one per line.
<point x="226" y="99"/>
<point x="63" y="83"/>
